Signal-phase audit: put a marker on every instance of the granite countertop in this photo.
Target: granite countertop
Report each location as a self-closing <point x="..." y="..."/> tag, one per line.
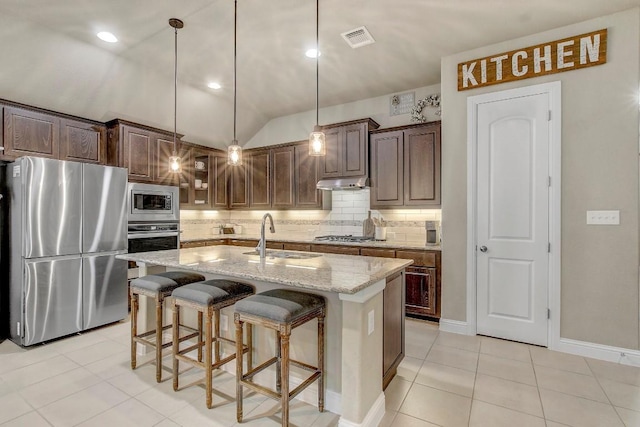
<point x="346" y="274"/>
<point x="287" y="238"/>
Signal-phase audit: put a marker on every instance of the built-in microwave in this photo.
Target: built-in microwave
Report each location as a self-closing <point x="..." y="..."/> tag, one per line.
<point x="150" y="202"/>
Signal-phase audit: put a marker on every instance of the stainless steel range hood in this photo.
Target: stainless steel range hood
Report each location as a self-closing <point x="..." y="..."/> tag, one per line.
<point x="357" y="183"/>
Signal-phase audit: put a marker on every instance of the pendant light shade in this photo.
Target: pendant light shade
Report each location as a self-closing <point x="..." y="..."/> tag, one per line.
<point x="234" y="153"/>
<point x="317" y="145"/>
<point x="174" y="159"/>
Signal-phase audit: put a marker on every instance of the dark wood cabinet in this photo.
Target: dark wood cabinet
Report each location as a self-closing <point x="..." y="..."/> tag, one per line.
<point x="393" y="328"/>
<point x="83" y="142"/>
<point x="335" y="249"/>
<point x="422" y="282"/>
<point x="30" y="133"/>
<point x="405" y="167"/>
<point x="347" y="149"/>
<point x="283" y="177"/>
<point x="307" y="175"/>
<point x="303" y="247"/>
<point x="142" y="150"/>
<point x="239" y="186"/>
<point x="219" y="172"/>
<point x="259" y="188"/>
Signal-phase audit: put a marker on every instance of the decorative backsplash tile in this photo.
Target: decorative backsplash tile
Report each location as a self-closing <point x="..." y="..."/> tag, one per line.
<point x="350" y="209"/>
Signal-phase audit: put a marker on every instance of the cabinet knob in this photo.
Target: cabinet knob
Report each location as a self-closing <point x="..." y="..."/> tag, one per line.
<point x="483" y="248"/>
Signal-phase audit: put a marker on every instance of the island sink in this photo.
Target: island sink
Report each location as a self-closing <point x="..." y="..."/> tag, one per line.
<point x="284" y="254"/>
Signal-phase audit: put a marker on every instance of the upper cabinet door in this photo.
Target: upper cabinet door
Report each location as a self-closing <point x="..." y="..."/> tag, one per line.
<point x="307" y="196"/>
<point x="283" y="177"/>
<point x="422" y="166"/>
<point x="138" y="153"/>
<point x="27" y="133"/>
<point x="260" y="192"/>
<point x="219" y="171"/>
<point x="164" y="150"/>
<point x="239" y="188"/>
<point x="387" y="178"/>
<point x="83" y="142"/>
<point x="354" y="142"/>
<point x="331" y="165"/>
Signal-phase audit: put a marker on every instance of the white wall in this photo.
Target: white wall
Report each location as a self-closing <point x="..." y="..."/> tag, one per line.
<point x="600" y="295"/>
<point x="297" y="127"/>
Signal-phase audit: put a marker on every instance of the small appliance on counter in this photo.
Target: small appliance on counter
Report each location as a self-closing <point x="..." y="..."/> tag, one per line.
<point x="433" y="233"/>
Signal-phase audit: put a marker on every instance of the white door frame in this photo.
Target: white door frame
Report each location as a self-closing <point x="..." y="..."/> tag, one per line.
<point x="555" y="129"/>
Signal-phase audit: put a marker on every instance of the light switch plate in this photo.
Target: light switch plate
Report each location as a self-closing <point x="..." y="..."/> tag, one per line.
<point x="603" y="217"/>
<point x="371" y="322"/>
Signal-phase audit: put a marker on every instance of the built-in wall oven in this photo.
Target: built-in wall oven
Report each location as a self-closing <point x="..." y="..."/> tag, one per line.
<point x="153" y="219"/>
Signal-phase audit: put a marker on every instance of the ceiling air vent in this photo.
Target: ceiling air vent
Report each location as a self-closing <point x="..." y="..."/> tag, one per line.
<point x="358" y="37"/>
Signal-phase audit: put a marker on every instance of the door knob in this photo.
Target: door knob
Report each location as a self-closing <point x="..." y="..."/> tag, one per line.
<point x="483" y="249"/>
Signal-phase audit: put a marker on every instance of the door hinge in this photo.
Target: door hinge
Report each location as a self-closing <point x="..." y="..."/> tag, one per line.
<point x="549" y="115"/>
<point x="548" y="313"/>
<point x="549" y="247"/>
<point x="549" y="182"/>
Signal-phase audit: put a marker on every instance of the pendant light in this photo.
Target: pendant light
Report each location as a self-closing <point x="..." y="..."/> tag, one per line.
<point x="317" y="146"/>
<point x="234" y="154"/>
<point x="174" y="159"/>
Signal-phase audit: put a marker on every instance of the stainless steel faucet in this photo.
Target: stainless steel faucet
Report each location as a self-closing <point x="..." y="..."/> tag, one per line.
<point x="262" y="245"/>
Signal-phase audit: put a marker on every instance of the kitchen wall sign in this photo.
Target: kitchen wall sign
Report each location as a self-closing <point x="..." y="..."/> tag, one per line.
<point x="572" y="53"/>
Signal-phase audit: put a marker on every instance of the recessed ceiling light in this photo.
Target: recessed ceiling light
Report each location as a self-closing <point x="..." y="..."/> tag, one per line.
<point x="213" y="85"/>
<point x="311" y="53"/>
<point x="107" y="37"/>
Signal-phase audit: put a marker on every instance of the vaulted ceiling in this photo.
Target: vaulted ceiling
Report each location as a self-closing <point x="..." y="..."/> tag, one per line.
<point x="51" y="57"/>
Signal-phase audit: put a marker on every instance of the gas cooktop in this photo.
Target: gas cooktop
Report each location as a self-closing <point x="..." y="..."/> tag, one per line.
<point x="343" y="238"/>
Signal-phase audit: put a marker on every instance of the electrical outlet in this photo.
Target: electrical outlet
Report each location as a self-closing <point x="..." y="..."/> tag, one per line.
<point x="224" y="322"/>
<point x="371" y="322"/>
<point x="603" y="217"/>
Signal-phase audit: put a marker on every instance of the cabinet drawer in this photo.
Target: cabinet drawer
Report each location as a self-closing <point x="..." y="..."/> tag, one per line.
<point x="384" y="253"/>
<point x="198" y="244"/>
<point x="247" y="243"/>
<point x="274" y="245"/>
<point x="335" y="249"/>
<point x="422" y="258"/>
<point x="306" y="247"/>
<point x="217" y="242"/>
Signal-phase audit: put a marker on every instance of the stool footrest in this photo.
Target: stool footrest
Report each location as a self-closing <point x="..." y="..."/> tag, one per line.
<point x="260" y="368"/>
<point x="303" y="365"/>
<point x="304" y="384"/>
<point x="260" y="389"/>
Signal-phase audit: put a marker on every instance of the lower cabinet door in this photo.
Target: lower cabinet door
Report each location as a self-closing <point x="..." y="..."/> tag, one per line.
<point x="52" y="299"/>
<point x="421" y="290"/>
<point x="104" y="290"/>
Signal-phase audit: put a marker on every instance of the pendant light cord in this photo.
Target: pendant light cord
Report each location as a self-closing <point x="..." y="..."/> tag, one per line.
<point x="175" y="93"/>
<point x="235" y="31"/>
<point x="317" y="60"/>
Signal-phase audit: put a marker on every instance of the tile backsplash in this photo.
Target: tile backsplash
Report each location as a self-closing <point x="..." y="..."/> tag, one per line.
<point x="349" y="209"/>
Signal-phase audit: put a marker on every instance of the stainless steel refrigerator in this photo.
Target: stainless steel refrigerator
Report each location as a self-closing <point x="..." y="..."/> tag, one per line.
<point x="68" y="221"/>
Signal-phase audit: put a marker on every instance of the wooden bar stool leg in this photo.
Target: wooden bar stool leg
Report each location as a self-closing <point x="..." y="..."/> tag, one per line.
<point x="208" y="357"/>
<point x="216" y="335"/>
<point x="284" y="379"/>
<point x="159" y="302"/>
<point x="278" y="362"/>
<point x="321" y="379"/>
<point x="239" y="373"/>
<point x="134" y="328"/>
<point x="176" y="344"/>
<point x="200" y="337"/>
<point x="249" y="346"/>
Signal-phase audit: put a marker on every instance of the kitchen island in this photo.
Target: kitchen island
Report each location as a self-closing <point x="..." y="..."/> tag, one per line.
<point x="353" y="287"/>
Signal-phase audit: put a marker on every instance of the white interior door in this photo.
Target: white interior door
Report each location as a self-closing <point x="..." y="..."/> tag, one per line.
<point x="512" y="223"/>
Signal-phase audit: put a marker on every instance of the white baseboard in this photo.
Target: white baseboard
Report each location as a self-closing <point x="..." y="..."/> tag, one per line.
<point x="620" y="355"/>
<point x="454" y="326"/>
<point x="373" y="417"/>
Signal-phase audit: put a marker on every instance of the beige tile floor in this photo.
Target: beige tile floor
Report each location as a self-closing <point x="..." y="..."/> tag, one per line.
<point x="444" y="380"/>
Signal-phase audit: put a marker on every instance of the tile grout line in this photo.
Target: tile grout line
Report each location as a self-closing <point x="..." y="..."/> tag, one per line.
<point x="535" y="375"/>
<point x="604" y="391"/>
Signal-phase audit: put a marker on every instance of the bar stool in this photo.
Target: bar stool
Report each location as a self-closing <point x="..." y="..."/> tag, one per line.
<point x="157" y="286"/>
<point x="208" y="298"/>
<point x="281" y="310"/>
